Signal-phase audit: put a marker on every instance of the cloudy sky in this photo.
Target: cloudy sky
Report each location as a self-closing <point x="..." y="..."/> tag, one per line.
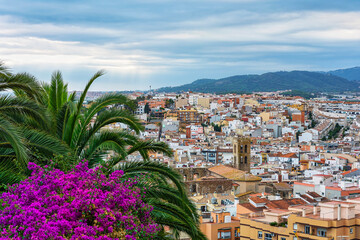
<point x="166" y="42"/>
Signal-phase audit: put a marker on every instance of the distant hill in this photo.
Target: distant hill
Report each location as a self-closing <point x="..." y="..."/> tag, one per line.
<point x="352" y="74"/>
<point x="273" y="81"/>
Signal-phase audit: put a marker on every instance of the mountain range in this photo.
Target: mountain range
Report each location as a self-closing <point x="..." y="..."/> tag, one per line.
<point x="306" y="81"/>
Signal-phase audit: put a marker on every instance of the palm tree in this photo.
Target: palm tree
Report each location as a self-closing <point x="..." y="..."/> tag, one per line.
<point x="18" y="140"/>
<point x="84" y="131"/>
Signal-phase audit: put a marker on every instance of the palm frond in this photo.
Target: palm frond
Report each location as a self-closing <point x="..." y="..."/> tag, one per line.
<point x="168" y="214"/>
<point x="83" y="133"/>
<point x="139" y="167"/>
<point x="10" y="172"/>
<point x="105" y="101"/>
<point x="45" y="143"/>
<point x="22" y="84"/>
<point x="11" y="134"/>
<point x="73" y="120"/>
<point x="4" y="70"/>
<point x="104" y="141"/>
<point x="144" y="147"/>
<point x="16" y="108"/>
<point x="83" y="94"/>
<point x="62" y="118"/>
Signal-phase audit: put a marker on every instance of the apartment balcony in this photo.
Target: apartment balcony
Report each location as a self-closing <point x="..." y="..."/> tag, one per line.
<point x="303" y="235"/>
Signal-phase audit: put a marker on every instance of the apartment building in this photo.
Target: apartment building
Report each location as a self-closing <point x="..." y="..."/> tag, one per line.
<point x="327" y="221"/>
<point x="189" y="116"/>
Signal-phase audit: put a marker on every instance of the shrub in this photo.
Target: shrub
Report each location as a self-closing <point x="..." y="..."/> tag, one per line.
<point x="80" y="204"/>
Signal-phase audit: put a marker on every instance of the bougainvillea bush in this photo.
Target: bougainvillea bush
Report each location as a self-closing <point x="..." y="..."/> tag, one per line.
<point x="80" y="204"/>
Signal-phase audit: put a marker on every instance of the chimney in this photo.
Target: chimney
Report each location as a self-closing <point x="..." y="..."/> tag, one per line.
<point x="339" y="212"/>
<point x="236" y="202"/>
<point x="303" y="212"/>
<point x="314" y="210"/>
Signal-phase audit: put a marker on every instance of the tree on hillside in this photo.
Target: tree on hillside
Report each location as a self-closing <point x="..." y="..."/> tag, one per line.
<point x="169" y="103"/>
<point x="147" y="109"/>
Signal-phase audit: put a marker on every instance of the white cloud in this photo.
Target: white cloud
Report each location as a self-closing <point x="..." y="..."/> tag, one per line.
<point x="198" y="43"/>
<point x="298" y="27"/>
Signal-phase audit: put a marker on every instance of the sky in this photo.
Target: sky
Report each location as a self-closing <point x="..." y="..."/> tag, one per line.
<point x="157" y="43"/>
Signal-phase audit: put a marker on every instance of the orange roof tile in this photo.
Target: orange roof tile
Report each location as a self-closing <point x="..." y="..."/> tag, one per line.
<point x="233" y="173"/>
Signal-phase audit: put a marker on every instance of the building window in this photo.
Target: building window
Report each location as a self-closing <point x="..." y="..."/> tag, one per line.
<point x="295" y="226"/>
<point x="294" y="238"/>
<point x="351" y="230"/>
<point x="226" y="235"/>
<point x="268" y="236"/>
<point x="321" y="232"/>
<point x="260" y="234"/>
<point x="283" y="238"/>
<point x="307" y="229"/>
<point x="237" y="232"/>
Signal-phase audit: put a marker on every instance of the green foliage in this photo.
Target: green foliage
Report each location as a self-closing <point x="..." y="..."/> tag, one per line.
<point x="334" y="132"/>
<point x="276" y="224"/>
<point x="294" y="93"/>
<point x="20" y="121"/>
<point x="217" y="127"/>
<point x="282" y="224"/>
<point x="169" y="103"/>
<point x="140" y="98"/>
<point x="147" y="109"/>
<point x="297" y="135"/>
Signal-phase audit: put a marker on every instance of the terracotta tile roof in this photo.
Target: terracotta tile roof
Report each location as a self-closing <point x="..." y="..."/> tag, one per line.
<point x="251" y="208"/>
<point x="258" y="200"/>
<point x="282" y="186"/>
<point x="308" y="199"/>
<point x="233" y="173"/>
<point x="350" y="171"/>
<point x="290" y="155"/>
<point x="210" y="178"/>
<point x="323" y="175"/>
<point x="313" y="194"/>
<point x="285" y="203"/>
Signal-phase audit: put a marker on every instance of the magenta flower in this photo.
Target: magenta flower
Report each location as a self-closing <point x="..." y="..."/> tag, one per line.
<point x="81" y="204"/>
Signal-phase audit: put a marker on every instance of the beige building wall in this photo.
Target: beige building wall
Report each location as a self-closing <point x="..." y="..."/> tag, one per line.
<point x="252" y="102"/>
<point x="265" y="116"/>
<point x="204" y="102"/>
<point x="181" y="102"/>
